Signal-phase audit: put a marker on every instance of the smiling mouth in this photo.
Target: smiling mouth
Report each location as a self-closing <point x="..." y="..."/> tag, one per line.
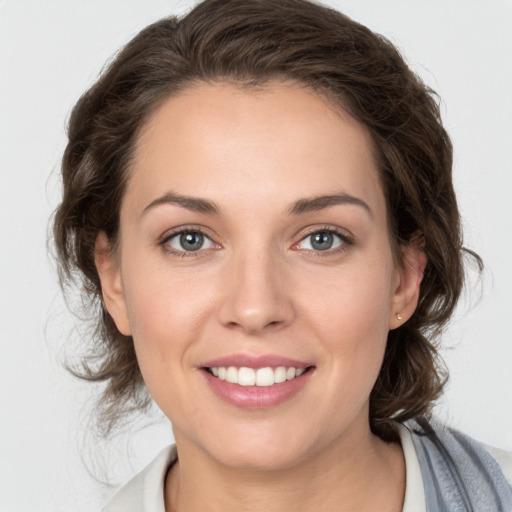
<point x="262" y="377"/>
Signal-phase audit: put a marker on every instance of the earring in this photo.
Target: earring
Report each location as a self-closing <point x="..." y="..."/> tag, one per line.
<point x="399" y="316"/>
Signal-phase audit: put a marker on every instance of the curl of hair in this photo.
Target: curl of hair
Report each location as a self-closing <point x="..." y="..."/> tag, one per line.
<point x="251" y="43"/>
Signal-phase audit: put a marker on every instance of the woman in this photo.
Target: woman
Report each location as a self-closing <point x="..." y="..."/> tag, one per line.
<point x="259" y="197"/>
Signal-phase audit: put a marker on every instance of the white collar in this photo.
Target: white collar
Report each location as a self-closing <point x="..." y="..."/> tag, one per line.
<point x="414" y="492"/>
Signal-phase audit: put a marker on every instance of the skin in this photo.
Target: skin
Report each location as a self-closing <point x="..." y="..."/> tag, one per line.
<point x="259" y="287"/>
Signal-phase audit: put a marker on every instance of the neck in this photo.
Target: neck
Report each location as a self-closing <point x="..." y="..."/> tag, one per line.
<point x="358" y="472"/>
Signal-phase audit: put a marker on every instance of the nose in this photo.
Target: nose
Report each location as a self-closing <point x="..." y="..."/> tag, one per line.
<point x="256" y="295"/>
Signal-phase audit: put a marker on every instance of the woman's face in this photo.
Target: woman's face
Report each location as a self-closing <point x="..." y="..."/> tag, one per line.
<point x="254" y="246"/>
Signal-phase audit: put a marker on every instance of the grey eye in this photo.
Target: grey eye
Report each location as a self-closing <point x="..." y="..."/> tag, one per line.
<point x="190" y="241"/>
<point x="321" y="241"/>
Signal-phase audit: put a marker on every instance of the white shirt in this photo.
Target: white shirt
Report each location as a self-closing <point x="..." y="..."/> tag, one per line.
<point x="145" y="492"/>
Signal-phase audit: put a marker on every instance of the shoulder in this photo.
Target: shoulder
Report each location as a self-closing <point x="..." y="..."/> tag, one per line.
<point x="504" y="460"/>
<point x="145" y="491"/>
<point x="459" y="470"/>
<point x="460" y="445"/>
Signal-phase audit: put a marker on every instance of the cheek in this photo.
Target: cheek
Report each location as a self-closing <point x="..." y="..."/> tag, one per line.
<point x="353" y="302"/>
<point x="166" y="311"/>
<point x="167" y="318"/>
<point x="350" y="313"/>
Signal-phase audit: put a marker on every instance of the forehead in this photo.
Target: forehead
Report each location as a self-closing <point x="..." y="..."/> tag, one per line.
<point x="279" y="143"/>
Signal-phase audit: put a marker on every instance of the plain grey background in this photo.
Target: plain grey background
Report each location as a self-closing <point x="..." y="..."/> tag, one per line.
<point x="50" y="52"/>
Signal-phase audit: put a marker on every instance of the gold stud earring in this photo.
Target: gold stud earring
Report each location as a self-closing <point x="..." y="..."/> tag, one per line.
<point x="399" y="316"/>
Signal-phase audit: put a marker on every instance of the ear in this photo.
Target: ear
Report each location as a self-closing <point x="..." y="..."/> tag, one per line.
<point x="407" y="287"/>
<point x="107" y="265"/>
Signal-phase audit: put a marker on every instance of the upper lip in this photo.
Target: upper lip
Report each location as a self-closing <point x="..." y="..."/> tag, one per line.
<point x="252" y="361"/>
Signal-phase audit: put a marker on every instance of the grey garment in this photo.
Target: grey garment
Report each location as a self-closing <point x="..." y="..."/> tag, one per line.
<point x="459" y="475"/>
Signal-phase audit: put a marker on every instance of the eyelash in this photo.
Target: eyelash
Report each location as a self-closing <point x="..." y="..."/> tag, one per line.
<point x="346" y="241"/>
<point x="164" y="241"/>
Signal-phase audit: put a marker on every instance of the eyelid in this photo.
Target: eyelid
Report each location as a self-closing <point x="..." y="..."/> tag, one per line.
<point x="179" y="230"/>
<point x="344" y="235"/>
<point x="347" y="239"/>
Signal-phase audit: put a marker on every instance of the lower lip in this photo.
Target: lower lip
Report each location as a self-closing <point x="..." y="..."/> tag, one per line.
<point x="257" y="397"/>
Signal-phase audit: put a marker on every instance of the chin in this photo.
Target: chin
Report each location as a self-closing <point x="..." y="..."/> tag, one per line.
<point x="261" y="449"/>
<point x="253" y="458"/>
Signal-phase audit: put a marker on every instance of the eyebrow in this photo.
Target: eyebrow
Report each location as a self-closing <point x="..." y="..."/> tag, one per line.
<point x="319" y="203"/>
<point x="196" y="204"/>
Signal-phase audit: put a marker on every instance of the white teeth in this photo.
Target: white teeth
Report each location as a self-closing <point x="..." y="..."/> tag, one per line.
<point x="246" y="377"/>
<point x="280" y="374"/>
<point x="232" y="375"/>
<point x="261" y="377"/>
<point x="265" y="377"/>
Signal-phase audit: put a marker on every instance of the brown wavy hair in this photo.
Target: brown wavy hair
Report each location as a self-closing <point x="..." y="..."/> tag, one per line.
<point x="250" y="43"/>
